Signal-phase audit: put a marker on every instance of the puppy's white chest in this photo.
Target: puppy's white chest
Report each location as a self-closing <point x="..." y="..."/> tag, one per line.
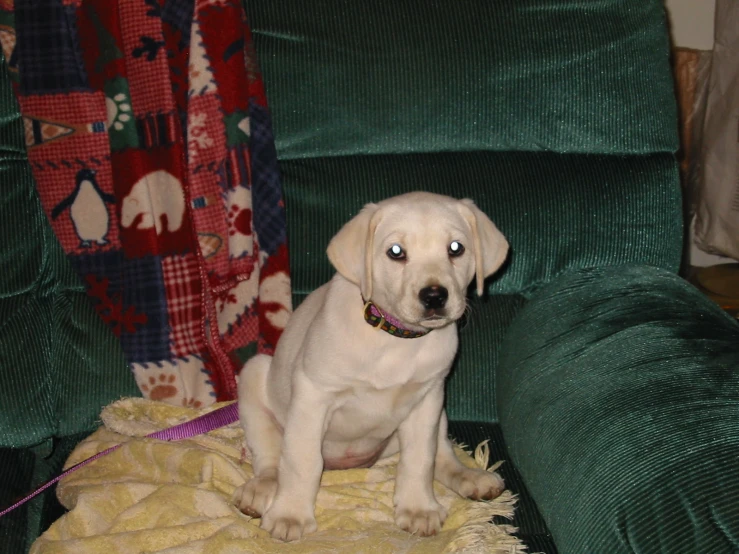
<point x="382" y="394"/>
<point x="398" y="368"/>
<point x="369" y="413"/>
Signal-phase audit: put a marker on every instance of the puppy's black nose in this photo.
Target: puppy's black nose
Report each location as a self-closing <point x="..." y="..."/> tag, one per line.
<point x="433" y="297"/>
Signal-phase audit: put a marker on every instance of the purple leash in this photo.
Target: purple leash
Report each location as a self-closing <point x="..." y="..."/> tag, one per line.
<point x="201" y="424"/>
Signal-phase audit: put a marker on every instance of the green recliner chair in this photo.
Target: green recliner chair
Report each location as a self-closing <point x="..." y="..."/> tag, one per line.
<point x="608" y="384"/>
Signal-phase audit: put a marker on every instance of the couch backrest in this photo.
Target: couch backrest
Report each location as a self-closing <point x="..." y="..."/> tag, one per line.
<point x="557" y="117"/>
<point x="347" y="77"/>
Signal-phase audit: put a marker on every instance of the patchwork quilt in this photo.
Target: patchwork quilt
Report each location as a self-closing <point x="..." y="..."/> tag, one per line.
<point x="151" y="145"/>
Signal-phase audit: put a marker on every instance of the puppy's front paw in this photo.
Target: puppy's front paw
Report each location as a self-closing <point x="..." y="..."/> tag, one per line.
<point x="477" y="484"/>
<point x="423" y="522"/>
<point x="288" y="524"/>
<point x="255" y="496"/>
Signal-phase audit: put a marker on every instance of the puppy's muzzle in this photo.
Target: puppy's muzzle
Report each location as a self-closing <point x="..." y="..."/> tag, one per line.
<point x="433" y="297"/>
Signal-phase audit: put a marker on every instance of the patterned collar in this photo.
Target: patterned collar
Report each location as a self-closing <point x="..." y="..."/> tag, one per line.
<point x="388" y="323"/>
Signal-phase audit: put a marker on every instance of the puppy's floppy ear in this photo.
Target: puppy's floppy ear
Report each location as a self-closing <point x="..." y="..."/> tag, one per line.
<point x="350" y="251"/>
<point x="491" y="247"/>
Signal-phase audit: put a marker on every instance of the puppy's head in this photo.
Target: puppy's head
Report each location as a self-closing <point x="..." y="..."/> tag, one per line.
<point x="414" y="255"/>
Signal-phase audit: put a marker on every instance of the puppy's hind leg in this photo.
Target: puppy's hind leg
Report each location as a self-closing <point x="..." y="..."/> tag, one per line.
<point x="263" y="437"/>
<point x="476" y="484"/>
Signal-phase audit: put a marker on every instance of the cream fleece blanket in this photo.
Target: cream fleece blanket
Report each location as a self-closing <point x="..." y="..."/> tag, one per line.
<point x="175" y="497"/>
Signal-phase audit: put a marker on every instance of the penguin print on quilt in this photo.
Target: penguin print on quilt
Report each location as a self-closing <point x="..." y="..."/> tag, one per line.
<point x="87" y="209"/>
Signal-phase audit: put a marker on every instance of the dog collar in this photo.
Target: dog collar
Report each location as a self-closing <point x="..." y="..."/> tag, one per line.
<point x="379" y="320"/>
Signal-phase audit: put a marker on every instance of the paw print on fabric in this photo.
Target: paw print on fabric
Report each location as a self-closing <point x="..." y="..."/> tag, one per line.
<point x="121" y="123"/>
<point x="191" y="403"/>
<point x="239" y="220"/>
<point x="119" y="111"/>
<point x="160" y="387"/>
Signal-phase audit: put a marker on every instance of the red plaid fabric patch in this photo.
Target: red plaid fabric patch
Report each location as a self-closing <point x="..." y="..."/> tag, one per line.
<point x="184" y="297"/>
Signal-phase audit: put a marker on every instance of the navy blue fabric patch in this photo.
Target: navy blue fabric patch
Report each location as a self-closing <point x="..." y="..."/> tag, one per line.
<point x="136" y="313"/>
<point x="179" y="14"/>
<point x="145" y="293"/>
<point x="101" y="270"/>
<point x="48" y="48"/>
<point x="269" y="211"/>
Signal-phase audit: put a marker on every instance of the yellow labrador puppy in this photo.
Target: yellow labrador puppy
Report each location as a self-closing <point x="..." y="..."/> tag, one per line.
<point x="359" y="371"/>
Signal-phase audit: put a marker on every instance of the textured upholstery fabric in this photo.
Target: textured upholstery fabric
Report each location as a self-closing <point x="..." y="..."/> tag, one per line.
<point x="557" y="211"/>
<point x="346" y="77"/>
<point x="59" y="364"/>
<point x="618" y="397"/>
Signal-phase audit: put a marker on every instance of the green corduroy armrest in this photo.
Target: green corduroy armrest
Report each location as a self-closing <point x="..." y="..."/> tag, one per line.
<point x="618" y="395"/>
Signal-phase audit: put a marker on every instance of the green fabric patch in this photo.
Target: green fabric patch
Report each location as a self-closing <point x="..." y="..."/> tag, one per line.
<point x="121" y="124"/>
<point x="557" y="211"/>
<point x="418" y="76"/>
<point x="244" y="353"/>
<point x="618" y="392"/>
<point x="237" y="128"/>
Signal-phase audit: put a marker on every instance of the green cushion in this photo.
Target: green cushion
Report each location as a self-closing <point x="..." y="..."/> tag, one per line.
<point x="346" y="77"/>
<point x="618" y="396"/>
<point x="557" y="211"/>
<point x="60" y="363"/>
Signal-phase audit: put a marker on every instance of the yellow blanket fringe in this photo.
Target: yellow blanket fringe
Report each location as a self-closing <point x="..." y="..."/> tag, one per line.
<point x="175" y="498"/>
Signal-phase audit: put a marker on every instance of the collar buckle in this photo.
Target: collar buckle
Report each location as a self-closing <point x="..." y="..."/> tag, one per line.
<point x="388" y="323"/>
<point x="368" y="311"/>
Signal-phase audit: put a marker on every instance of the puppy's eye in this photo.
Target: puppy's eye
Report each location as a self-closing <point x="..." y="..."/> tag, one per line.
<point x="396" y="252"/>
<point x="456" y="248"/>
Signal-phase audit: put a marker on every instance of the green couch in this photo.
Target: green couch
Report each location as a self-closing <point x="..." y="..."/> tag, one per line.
<point x="608" y="384"/>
